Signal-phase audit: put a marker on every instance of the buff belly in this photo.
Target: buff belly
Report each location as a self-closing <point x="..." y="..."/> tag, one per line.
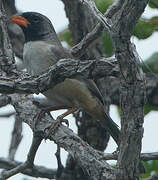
<point x="74" y="93"/>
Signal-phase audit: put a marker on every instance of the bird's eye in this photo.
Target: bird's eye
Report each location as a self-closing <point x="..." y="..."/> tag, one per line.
<point x="36" y="20"/>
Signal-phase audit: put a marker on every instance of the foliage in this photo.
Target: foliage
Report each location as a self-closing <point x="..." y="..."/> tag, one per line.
<point x="66" y="36"/>
<point x="150" y="167"/>
<point x="151" y="4"/>
<point x="151" y="64"/>
<point x="103" y="5"/>
<point x="145" y="27"/>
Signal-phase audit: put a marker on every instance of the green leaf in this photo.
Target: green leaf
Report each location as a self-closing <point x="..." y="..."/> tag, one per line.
<point x="66" y="36"/>
<point x="151" y="64"/>
<point x="107" y="42"/>
<point x="145" y="27"/>
<point x="148" y="108"/>
<point x="150" y="166"/>
<point x="103" y="5"/>
<point x="153" y="3"/>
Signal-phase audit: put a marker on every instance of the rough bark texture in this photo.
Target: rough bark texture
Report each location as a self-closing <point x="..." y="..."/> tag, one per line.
<point x="82" y="21"/>
<point x="132" y="89"/>
<point x="127" y="87"/>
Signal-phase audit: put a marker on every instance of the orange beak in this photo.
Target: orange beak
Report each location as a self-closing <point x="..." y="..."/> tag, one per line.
<point x="19" y="20"/>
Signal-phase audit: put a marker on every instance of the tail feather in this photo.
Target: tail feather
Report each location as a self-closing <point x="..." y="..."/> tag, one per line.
<point x="111" y="127"/>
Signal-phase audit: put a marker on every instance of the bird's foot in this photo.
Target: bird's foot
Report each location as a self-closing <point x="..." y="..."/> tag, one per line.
<point x="54" y="126"/>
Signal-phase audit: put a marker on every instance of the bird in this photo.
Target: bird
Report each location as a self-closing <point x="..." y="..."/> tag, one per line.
<point x="42" y="49"/>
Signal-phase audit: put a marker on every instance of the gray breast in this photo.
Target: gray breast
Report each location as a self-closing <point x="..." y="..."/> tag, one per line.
<point x="37" y="57"/>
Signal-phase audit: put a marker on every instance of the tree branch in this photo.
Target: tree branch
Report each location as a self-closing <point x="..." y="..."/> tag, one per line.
<point x="36" y="171"/>
<point x="7" y="57"/>
<point x="97" y="13"/>
<point x="89" y="159"/>
<point x="105" y="25"/>
<point x="143" y="156"/>
<point x="132" y="87"/>
<point x="16" y="137"/>
<point x="29" y="162"/>
<point x="90" y="69"/>
<point x="57" y="73"/>
<point x="7" y="115"/>
<point x="149" y="156"/>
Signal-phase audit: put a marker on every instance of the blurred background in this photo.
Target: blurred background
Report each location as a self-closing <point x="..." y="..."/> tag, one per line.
<point x="145" y="38"/>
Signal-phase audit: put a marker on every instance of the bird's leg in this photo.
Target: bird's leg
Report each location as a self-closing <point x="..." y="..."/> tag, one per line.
<point x="30" y="159"/>
<point x="43" y="111"/>
<point x="53" y="127"/>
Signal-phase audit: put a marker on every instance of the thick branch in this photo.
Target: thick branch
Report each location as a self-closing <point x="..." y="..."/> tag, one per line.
<point x="57" y="73"/>
<point x="6" y="58"/>
<point x="149" y="156"/>
<point x="89" y="159"/>
<point x="132" y="93"/>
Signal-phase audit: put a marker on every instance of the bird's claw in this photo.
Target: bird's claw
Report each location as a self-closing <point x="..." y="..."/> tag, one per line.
<point x="54" y="126"/>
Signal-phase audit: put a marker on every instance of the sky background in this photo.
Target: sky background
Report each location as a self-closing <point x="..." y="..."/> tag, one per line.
<point x="54" y="10"/>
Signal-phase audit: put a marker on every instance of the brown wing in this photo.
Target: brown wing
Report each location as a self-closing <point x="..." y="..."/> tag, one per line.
<point x="91" y="86"/>
<point x="59" y="53"/>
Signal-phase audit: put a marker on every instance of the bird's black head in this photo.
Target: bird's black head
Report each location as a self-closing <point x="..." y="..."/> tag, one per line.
<point x="34" y="25"/>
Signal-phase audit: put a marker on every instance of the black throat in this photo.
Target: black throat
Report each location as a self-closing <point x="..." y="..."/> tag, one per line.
<point x="44" y="32"/>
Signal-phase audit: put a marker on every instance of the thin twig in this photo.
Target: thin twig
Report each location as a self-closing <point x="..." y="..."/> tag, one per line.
<point x="7" y="115"/>
<point x="60" y="166"/>
<point x="16" y="137"/>
<point x="36" y="171"/>
<point x="29" y="162"/>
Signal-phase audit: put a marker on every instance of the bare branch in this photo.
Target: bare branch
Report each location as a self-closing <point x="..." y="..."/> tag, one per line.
<point x="99" y="69"/>
<point x="36" y="171"/>
<point x="16" y="137"/>
<point x="132" y="88"/>
<point x="7" y="58"/>
<point x="149" y="156"/>
<point x="143" y="156"/>
<point x="99" y="29"/>
<point x="97" y="13"/>
<point x="29" y="162"/>
<point x="89" y="159"/>
<point x="57" y="73"/>
<point x="7" y="115"/>
<point x="79" y="49"/>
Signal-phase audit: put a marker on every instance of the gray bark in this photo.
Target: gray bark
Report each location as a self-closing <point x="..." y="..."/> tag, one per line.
<point x="129" y="79"/>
